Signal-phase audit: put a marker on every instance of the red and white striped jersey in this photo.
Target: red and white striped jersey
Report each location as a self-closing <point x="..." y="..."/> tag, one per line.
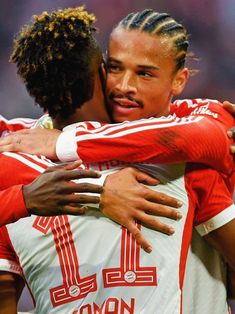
<point x="195" y="131"/>
<point x="12" y="125"/>
<point x="13" y="195"/>
<point x="89" y="264"/>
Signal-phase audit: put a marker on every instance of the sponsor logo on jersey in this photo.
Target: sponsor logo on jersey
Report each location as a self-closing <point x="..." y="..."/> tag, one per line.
<point x="205" y="111"/>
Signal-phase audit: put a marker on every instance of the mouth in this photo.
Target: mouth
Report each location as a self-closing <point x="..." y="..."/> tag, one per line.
<point x="126" y="103"/>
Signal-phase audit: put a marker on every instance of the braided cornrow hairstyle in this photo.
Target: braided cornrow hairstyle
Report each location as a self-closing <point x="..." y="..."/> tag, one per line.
<point x="160" y="24"/>
<point x="55" y="57"/>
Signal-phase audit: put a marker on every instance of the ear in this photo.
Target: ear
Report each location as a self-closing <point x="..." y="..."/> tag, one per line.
<point x="179" y="81"/>
<point x="103" y="69"/>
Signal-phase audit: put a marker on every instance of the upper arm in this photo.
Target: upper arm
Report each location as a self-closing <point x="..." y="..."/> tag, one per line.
<point x="231" y="282"/>
<point x="215" y="213"/>
<point x="11" y="286"/>
<point x="223" y="240"/>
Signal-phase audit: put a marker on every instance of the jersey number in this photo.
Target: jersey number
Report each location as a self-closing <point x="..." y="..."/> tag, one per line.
<point x="74" y="287"/>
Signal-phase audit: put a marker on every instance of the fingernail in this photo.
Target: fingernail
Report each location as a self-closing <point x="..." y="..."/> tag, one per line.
<point x="178" y="215"/>
<point x="179" y="203"/>
<point x="230" y="133"/>
<point x="171" y="230"/>
<point x="84" y="208"/>
<point x="149" y="249"/>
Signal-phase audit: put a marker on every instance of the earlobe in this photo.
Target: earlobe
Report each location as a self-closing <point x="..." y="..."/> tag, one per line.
<point x="180" y="81"/>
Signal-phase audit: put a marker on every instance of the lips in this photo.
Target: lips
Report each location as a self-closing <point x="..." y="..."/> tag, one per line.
<point x="126" y="103"/>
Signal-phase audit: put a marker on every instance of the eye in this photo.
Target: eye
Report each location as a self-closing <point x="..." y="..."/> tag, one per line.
<point x="113" y="67"/>
<point x="145" y="74"/>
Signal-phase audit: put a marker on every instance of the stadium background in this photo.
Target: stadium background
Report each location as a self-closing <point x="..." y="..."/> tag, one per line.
<point x="211" y="24"/>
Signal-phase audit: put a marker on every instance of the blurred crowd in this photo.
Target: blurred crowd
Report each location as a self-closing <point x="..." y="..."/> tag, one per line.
<point x="211" y="24"/>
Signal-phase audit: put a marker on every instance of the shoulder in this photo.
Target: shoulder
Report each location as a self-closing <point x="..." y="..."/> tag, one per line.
<point x="207" y="108"/>
<point x="20" y="168"/>
<point x="16" y="124"/>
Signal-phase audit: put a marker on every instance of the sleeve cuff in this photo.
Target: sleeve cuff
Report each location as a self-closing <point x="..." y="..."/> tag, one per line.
<point x="10" y="266"/>
<point x="66" y="146"/>
<point x="217" y="221"/>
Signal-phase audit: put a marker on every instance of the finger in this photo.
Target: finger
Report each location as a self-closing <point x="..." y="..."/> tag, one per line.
<point x="161" y="210"/>
<point x="145" y="178"/>
<point x="73" y="165"/>
<point x="80" y="199"/>
<point x="65" y="166"/>
<point x="73" y="210"/>
<point x="140" y="239"/>
<point x="83" y="187"/>
<point x="8" y="147"/>
<point x="154" y="223"/>
<point x="77" y="174"/>
<point x="232" y="149"/>
<point x="162" y="198"/>
<point x="231" y="132"/>
<point x="229" y="106"/>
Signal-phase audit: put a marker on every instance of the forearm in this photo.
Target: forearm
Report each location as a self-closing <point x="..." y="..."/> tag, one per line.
<point x="161" y="141"/>
<point x="10" y="290"/>
<point x="231" y="283"/>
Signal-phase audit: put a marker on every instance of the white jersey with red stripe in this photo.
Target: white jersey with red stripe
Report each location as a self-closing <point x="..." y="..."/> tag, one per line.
<point x="89" y="264"/>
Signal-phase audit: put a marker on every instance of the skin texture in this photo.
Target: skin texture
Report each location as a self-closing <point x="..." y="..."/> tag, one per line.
<point x="59" y="194"/>
<point x="11" y="286"/>
<point x="139" y="78"/>
<point x="129" y="198"/>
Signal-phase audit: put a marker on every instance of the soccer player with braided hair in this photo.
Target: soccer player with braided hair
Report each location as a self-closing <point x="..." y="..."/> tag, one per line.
<point x="128" y="279"/>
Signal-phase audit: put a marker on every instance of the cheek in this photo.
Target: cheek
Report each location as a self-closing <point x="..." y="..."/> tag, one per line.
<point x="110" y="82"/>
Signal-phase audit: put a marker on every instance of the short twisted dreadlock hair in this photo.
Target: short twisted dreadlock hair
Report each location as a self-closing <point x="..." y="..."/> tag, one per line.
<point x="57" y="57"/>
<point x="160" y="24"/>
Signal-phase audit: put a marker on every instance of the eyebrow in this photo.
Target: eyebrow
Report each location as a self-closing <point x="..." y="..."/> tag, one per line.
<point x="148" y="67"/>
<point x="141" y="66"/>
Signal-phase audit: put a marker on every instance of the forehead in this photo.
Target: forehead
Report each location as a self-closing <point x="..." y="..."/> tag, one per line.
<point x="142" y="44"/>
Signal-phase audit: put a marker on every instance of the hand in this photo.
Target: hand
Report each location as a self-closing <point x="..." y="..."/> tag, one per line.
<point x="125" y="201"/>
<point x="32" y="141"/>
<point x="229" y="107"/>
<point x="231" y="133"/>
<point x="53" y="193"/>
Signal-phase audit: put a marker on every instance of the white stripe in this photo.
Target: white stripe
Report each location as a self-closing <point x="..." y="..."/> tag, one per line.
<point x="42" y="159"/>
<point x="23" y="121"/>
<point x="217" y="221"/>
<point x="25" y="161"/>
<point x="152" y="126"/>
<point x="131" y="124"/>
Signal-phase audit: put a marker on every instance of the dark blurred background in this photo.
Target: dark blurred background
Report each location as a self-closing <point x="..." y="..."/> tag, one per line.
<point x="211" y="24"/>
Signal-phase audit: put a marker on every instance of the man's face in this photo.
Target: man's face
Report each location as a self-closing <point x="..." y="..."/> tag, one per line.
<point x="140" y="78"/>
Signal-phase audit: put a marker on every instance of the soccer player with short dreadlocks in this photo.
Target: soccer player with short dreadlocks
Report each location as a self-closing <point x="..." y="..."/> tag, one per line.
<point x="91" y="264"/>
<point x="56" y="58"/>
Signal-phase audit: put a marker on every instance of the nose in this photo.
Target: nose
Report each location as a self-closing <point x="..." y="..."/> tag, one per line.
<point x="126" y="84"/>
